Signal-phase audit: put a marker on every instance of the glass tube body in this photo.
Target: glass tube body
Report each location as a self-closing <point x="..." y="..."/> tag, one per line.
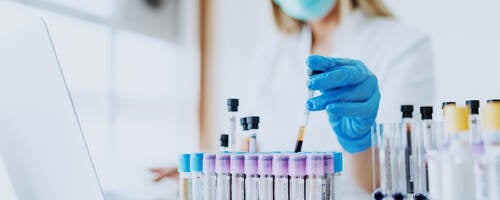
<point x="266" y="184"/>
<point x="330" y="186"/>
<point x="457" y="168"/>
<point x="281" y="187"/>
<point x="422" y="132"/>
<point x="232" y="119"/>
<point x="388" y="154"/>
<point x="398" y="159"/>
<point x="209" y="186"/>
<point x="433" y="144"/>
<point x="252" y="187"/>
<point x="197" y="185"/>
<point x="297" y="187"/>
<point x="475" y="128"/>
<point x="184" y="186"/>
<point x="253" y="141"/>
<point x="316" y="187"/>
<point x="408" y="163"/>
<point x="480" y="160"/>
<point x="493" y="155"/>
<point x="238" y="187"/>
<point x="492" y="147"/>
<point x="223" y="186"/>
<point x="488" y="168"/>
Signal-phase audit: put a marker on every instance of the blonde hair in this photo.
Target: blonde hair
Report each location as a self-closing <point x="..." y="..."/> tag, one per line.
<point x="289" y="25"/>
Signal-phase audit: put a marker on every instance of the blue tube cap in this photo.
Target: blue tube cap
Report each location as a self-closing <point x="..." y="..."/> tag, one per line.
<point x="196" y="162"/>
<point x="337" y="162"/>
<point x="184" y="164"/>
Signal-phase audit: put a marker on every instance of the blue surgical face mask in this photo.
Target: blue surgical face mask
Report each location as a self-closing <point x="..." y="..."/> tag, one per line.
<point x="306" y="10"/>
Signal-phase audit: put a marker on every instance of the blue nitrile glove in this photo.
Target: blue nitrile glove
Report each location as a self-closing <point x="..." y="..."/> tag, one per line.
<point x="350" y="96"/>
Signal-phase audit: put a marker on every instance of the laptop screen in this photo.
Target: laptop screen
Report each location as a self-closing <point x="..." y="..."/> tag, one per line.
<point x="41" y="142"/>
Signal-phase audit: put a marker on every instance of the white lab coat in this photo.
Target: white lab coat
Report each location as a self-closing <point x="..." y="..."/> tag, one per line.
<point x="400" y="57"/>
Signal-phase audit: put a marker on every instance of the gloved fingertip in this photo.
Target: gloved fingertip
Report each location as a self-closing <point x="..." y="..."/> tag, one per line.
<point x="313" y="60"/>
<point x="310" y="84"/>
<point x="311" y="105"/>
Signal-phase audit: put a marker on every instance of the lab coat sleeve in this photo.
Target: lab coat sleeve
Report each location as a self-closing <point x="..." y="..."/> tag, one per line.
<point x="409" y="79"/>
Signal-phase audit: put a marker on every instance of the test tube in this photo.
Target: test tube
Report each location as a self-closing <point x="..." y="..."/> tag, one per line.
<point x="330" y="176"/>
<point x="338" y="167"/>
<point x="433" y="154"/>
<point x="474" y="121"/>
<point x="209" y="177"/>
<point x="409" y="150"/>
<point x="483" y="155"/>
<point x="184" y="177"/>
<point x="433" y="147"/>
<point x="456" y="159"/>
<point x="492" y="148"/>
<point x="266" y="182"/>
<point x="252" y="177"/>
<point x="232" y="112"/>
<point x="387" y="140"/>
<point x="316" y="179"/>
<point x="281" y="182"/>
<point x="253" y="128"/>
<point x="224" y="143"/>
<point x="223" y="170"/>
<point x="425" y="141"/>
<point x="196" y="167"/>
<point x="237" y="176"/>
<point x="378" y="193"/>
<point x="297" y="172"/>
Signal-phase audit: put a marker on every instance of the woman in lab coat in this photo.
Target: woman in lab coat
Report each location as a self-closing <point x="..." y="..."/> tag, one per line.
<point x="371" y="64"/>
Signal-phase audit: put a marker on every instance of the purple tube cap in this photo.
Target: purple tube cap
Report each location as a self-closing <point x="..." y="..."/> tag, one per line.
<point x="209" y="163"/>
<point x="328" y="163"/>
<point x="280" y="164"/>
<point x="315" y="164"/>
<point x="251" y="164"/>
<point x="266" y="164"/>
<point x="237" y="163"/>
<point x="223" y="163"/>
<point x="298" y="164"/>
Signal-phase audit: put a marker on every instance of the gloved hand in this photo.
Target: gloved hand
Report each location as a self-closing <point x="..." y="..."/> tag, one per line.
<point x="349" y="95"/>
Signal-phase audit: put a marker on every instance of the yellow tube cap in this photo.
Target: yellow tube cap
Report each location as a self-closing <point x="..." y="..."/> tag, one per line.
<point x="491" y="116"/>
<point x="456" y="119"/>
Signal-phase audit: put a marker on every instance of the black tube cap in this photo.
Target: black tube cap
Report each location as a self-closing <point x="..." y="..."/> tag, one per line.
<point x="232" y="105"/>
<point x="398" y="196"/>
<point x="313" y="72"/>
<point x="407" y="111"/>
<point x="244" y="124"/>
<point x="253" y="122"/>
<point x="378" y="195"/>
<point x="448" y="103"/>
<point x="419" y="196"/>
<point x="426" y="112"/>
<point x="224" y="140"/>
<point x="473" y="106"/>
<point x="493" y="101"/>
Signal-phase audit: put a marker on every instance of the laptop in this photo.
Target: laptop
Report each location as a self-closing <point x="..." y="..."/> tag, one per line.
<point x="41" y="141"/>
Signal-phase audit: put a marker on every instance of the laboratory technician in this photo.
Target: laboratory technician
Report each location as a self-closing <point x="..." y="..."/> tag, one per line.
<point x="371" y="65"/>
